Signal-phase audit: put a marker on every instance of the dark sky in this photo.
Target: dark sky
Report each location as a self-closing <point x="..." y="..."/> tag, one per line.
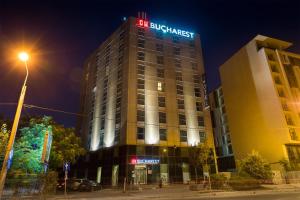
<point x="61" y="34"/>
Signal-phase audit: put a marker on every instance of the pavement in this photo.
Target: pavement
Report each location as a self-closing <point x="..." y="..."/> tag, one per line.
<point x="179" y="192"/>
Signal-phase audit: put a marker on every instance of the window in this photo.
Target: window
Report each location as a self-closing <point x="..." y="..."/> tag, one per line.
<point x="140" y="83"/>
<point x="141" y="99"/>
<point x="199" y="106"/>
<point x="274" y="68"/>
<point x="118" y="118"/>
<point x="178" y="76"/>
<point x="160" y="60"/>
<point x="141" y="32"/>
<point x="277" y="80"/>
<point x="200" y="120"/>
<point x="197" y="92"/>
<point x="159" y="35"/>
<point x="183" y="136"/>
<point x="194" y="65"/>
<point x="182" y="119"/>
<point x="230" y="149"/>
<point x="161" y="102"/>
<point x="192" y="43"/>
<point x="162" y="134"/>
<point x="176" y="51"/>
<point x="141" y="43"/>
<point x="281" y="93"/>
<point x="118" y="102"/>
<point x="192" y="54"/>
<point x="202" y="136"/>
<point x="180" y="103"/>
<point x="160" y="73"/>
<point x="177" y="63"/>
<point x="271" y="57"/>
<point x="176" y="39"/>
<point x="162" y="118"/>
<point x="289" y="120"/>
<point x="196" y="79"/>
<point x="102" y="123"/>
<point x="141" y="70"/>
<point x="160" y="47"/>
<point x="179" y="89"/>
<point x="140" y="133"/>
<point x="141" y="55"/>
<point x="160" y="86"/>
<point x="141" y="115"/>
<point x="293" y="134"/>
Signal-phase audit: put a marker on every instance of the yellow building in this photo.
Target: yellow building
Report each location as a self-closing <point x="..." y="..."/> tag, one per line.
<point x="261" y="89"/>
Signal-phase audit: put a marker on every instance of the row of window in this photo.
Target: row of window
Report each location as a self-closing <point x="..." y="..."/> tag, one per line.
<point x="163" y="134"/>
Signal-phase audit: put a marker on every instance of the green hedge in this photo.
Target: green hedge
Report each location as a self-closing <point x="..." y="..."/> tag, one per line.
<point x="243" y="183"/>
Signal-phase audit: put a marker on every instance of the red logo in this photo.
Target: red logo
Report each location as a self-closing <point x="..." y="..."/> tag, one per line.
<point x="142" y="23"/>
<point x="133" y="161"/>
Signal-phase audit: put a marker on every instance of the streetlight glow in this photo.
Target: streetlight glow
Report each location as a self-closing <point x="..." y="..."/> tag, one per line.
<point x="23" y="56"/>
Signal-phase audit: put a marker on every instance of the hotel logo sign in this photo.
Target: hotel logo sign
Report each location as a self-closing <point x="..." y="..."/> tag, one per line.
<point x="165" y="29"/>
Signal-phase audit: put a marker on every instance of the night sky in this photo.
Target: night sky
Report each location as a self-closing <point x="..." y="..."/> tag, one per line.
<point x="61" y="34"/>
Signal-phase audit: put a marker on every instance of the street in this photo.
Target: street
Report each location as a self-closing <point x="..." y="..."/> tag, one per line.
<point x="179" y="193"/>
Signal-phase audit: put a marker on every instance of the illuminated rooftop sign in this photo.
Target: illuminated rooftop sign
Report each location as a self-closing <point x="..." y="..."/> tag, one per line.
<point x="165" y="29"/>
<point x="144" y="161"/>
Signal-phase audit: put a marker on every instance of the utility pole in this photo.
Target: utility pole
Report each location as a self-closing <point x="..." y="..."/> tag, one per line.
<point x="8" y="153"/>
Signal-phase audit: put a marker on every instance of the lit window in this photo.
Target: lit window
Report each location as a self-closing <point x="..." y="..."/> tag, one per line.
<point x="159" y="86"/>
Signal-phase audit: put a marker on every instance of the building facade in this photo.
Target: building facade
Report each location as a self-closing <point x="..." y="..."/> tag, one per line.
<point x="143" y="95"/>
<point x="261" y="85"/>
<point x="221" y="131"/>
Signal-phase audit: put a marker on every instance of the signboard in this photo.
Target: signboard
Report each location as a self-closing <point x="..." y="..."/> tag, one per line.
<point x="46" y="147"/>
<point x="67" y="166"/>
<point x="164" y="28"/>
<point x="206" y="103"/>
<point x="144" y="161"/>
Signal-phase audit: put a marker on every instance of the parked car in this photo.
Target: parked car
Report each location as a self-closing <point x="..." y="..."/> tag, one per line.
<point x="74" y="184"/>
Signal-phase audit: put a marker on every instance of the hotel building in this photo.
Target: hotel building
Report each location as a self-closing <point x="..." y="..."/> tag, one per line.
<point x="261" y="92"/>
<point x="143" y="94"/>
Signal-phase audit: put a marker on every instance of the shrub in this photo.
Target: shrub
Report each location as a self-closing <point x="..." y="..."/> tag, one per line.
<point x="256" y="166"/>
<point x="243" y="183"/>
<point x="218" y="181"/>
<point x="48" y="182"/>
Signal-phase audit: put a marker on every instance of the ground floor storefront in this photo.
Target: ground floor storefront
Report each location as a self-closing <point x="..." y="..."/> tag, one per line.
<point x="138" y="165"/>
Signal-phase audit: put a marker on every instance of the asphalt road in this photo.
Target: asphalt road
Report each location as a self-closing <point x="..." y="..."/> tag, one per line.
<point x="264" y="196"/>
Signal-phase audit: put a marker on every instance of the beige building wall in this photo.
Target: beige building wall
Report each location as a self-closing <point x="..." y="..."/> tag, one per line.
<point x="255" y="111"/>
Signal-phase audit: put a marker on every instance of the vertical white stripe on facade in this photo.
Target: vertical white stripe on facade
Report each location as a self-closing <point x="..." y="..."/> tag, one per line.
<point x="95" y="137"/>
<point x="190" y="113"/>
<point x="109" y="133"/>
<point x="151" y="107"/>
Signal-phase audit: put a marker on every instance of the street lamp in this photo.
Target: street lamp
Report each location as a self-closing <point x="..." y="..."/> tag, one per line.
<point x="23" y="56"/>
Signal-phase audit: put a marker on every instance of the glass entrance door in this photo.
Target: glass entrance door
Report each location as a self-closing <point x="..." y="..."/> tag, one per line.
<point x="140" y="172"/>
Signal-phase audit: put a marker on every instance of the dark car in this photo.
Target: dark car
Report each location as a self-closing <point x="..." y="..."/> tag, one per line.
<point x="88" y="186"/>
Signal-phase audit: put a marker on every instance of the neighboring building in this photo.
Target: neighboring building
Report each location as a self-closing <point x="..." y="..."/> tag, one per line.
<point x="143" y="96"/>
<point x="221" y="131"/>
<point x="261" y="89"/>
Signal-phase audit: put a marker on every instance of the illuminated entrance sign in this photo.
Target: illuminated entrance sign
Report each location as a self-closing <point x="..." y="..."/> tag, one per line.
<point x="144" y="161"/>
<point x="165" y="29"/>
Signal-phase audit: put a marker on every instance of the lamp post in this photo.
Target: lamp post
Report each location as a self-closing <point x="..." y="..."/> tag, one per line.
<point x="23" y="56"/>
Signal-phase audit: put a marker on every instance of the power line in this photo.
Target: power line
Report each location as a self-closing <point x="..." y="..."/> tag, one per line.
<point x="30" y="106"/>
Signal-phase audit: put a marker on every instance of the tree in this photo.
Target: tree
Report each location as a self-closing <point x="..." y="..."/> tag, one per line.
<point x="4" y="133"/>
<point x="200" y="156"/>
<point x="255" y="166"/>
<point x="66" y="146"/>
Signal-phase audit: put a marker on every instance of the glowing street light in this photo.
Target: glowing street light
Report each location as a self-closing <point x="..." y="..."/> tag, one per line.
<point x="23" y="56"/>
